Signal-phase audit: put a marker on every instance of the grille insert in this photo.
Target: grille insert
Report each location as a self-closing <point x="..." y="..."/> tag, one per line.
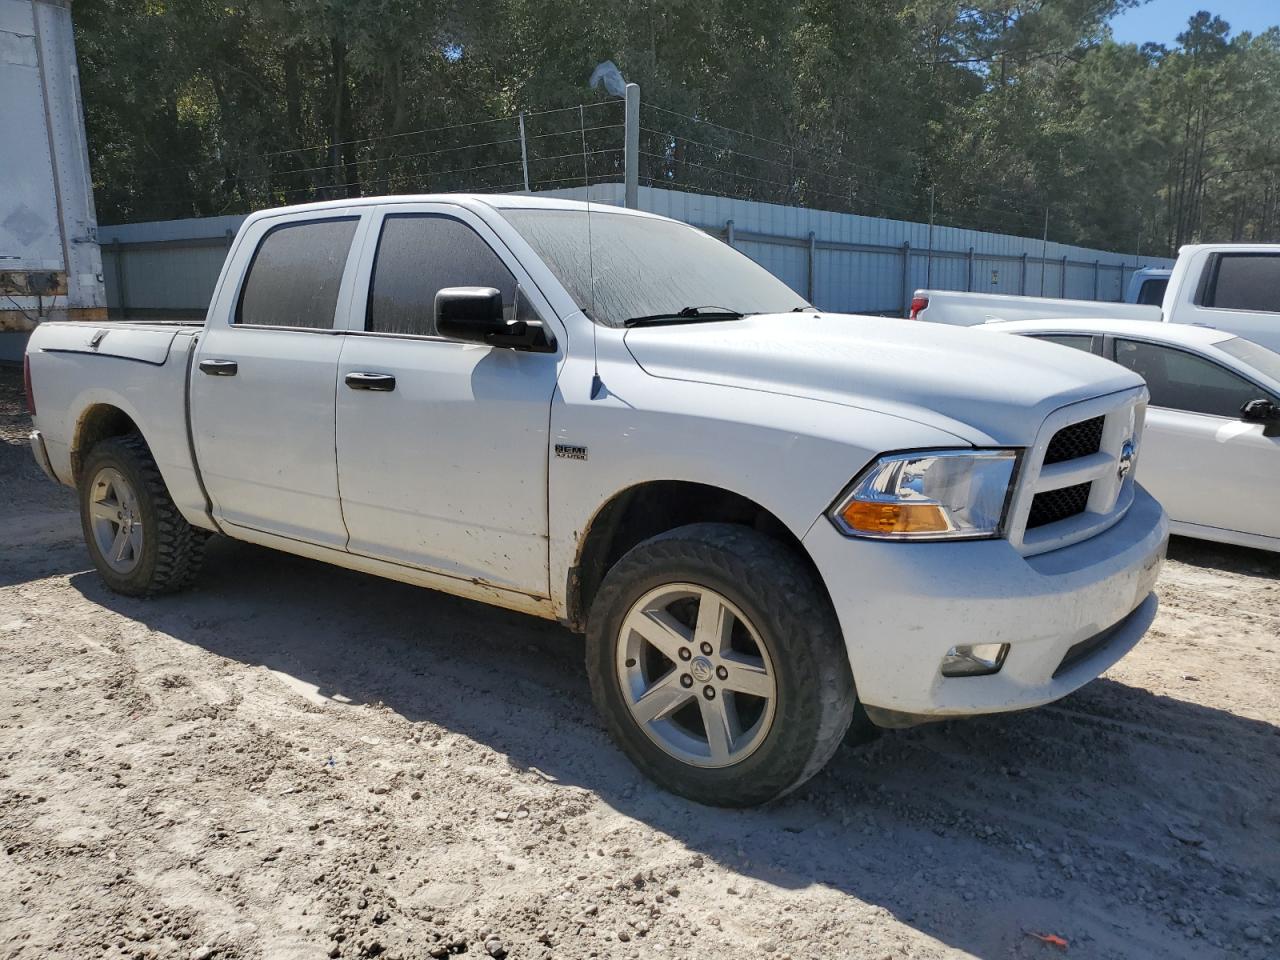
<point x="1054" y="505"/>
<point x="1076" y="441"/>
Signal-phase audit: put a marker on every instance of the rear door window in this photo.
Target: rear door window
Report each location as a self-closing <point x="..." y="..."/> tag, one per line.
<point x="1243" y="281"/>
<point x="295" y="275"/>
<point x="1184" y="381"/>
<point x="420" y="254"/>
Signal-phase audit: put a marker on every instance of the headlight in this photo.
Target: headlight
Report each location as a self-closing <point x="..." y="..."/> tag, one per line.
<point x="929" y="495"/>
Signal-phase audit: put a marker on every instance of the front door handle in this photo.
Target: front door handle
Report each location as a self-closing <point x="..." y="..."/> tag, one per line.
<point x="219" y="368"/>
<point x="380" y="382"/>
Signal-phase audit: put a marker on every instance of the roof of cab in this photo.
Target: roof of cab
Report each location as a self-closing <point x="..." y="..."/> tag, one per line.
<point x="496" y="201"/>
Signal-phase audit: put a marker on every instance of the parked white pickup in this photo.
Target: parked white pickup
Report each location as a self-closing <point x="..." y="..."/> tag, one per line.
<point x="1230" y="287"/>
<point x="614" y="420"/>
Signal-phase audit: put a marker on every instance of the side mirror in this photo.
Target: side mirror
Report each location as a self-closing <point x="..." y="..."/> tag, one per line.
<point x="1264" y="412"/>
<point x="1260" y="411"/>
<point x="474" y="315"/>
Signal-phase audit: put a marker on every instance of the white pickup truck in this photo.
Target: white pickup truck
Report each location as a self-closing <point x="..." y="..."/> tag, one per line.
<point x="1233" y="287"/>
<point x="770" y="522"/>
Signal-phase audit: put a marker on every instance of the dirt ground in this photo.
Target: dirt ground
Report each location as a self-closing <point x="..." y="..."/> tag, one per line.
<point x="293" y="761"/>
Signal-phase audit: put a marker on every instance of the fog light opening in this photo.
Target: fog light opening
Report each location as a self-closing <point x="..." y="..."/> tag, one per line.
<point x="974" y="660"/>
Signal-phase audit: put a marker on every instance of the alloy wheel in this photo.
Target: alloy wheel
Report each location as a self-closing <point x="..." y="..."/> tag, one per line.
<point x="696" y="675"/>
<point x="116" y="519"/>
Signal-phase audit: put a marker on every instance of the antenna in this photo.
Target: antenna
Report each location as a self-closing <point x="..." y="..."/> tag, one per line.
<point x="596" y="384"/>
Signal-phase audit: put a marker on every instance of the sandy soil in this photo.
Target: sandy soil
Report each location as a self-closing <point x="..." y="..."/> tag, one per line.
<point x="296" y="761"/>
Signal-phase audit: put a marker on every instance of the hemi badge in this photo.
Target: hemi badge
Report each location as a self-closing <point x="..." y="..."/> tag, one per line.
<point x="570" y="452"/>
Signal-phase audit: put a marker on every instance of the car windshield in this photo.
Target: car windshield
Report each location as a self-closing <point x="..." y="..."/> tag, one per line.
<point x="646" y="267"/>
<point x="1266" y="362"/>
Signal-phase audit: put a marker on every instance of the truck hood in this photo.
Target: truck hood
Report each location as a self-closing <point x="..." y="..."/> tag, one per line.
<point x="985" y="390"/>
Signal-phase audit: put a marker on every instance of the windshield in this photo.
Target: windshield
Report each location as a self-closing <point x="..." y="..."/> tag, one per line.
<point x="645" y="267"/>
<point x="1266" y="362"/>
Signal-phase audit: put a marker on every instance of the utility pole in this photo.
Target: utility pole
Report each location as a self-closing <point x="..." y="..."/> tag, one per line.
<point x="524" y="154"/>
<point x="1137" y="250"/>
<point x="1044" y="249"/>
<point x="631" y="148"/>
<point x="928" y="270"/>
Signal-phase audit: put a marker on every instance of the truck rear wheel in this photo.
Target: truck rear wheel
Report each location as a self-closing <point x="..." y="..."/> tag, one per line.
<point x="717" y="663"/>
<point x="138" y="540"/>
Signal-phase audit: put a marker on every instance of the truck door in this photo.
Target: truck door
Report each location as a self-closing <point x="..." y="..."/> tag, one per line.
<point x="1199" y="458"/>
<point x="442" y="446"/>
<point x="262" y="391"/>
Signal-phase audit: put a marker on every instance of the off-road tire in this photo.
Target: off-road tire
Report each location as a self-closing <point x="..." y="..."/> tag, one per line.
<point x="172" y="550"/>
<point x="788" y="607"/>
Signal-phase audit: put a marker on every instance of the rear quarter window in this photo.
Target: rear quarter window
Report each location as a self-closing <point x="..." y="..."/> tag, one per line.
<point x="296" y="271"/>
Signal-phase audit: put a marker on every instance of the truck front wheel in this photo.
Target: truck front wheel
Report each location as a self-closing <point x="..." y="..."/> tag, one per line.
<point x="717" y="663"/>
<point x="138" y="540"/>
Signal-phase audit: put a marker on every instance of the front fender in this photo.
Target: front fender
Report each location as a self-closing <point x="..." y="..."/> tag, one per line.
<point x="790" y="455"/>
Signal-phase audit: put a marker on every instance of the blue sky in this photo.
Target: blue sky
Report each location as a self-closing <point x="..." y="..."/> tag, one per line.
<point x="1160" y="21"/>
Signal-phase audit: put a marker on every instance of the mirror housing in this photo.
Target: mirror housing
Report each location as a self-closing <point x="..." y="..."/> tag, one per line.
<point x="474" y="315"/>
<point x="1260" y="411"/>
<point x="1264" y="412"/>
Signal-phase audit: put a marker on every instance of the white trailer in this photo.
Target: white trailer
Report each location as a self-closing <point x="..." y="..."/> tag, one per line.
<point x="50" y="264"/>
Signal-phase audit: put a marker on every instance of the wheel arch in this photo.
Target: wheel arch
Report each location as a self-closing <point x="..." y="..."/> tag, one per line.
<point x="98" y="421"/>
<point x="652" y="507"/>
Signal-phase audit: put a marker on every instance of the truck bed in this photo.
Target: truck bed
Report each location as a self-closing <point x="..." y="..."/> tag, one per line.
<point x="138" y="368"/>
<point x="128" y="340"/>
<point x="971" y="309"/>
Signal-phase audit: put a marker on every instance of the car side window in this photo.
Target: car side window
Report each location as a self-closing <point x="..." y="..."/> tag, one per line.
<point x="1081" y="341"/>
<point x="1180" y="380"/>
<point x="1151" y="293"/>
<point x="295" y="275"/>
<point x="421" y="253"/>
<point x="1243" y="281"/>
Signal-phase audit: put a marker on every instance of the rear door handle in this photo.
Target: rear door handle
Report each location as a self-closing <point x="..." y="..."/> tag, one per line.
<point x="380" y="382"/>
<point x="219" y="368"/>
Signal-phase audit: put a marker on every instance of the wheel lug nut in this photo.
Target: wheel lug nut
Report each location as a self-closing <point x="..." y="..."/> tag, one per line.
<point x="684" y="653"/>
<point x="709" y="692"/>
<point x="706" y="649"/>
<point x="722" y="673"/>
<point x="686" y="680"/>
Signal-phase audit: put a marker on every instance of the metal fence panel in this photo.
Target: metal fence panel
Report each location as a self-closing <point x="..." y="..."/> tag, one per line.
<point x="840" y="261"/>
<point x="165" y="268"/>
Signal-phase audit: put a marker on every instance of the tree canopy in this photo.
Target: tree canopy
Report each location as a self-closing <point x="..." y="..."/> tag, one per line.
<point x="991" y="111"/>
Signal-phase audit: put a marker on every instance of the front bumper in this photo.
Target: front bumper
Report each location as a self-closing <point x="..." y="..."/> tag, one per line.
<point x="901" y="606"/>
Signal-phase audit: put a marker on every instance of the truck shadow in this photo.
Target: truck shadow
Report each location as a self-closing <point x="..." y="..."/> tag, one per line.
<point x="1225" y="557"/>
<point x="1117" y="818"/>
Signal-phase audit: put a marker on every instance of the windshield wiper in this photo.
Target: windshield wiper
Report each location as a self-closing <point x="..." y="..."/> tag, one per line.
<point x="686" y="315"/>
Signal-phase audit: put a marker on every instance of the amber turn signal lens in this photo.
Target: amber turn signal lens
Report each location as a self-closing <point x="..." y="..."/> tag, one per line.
<point x="888" y="518"/>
